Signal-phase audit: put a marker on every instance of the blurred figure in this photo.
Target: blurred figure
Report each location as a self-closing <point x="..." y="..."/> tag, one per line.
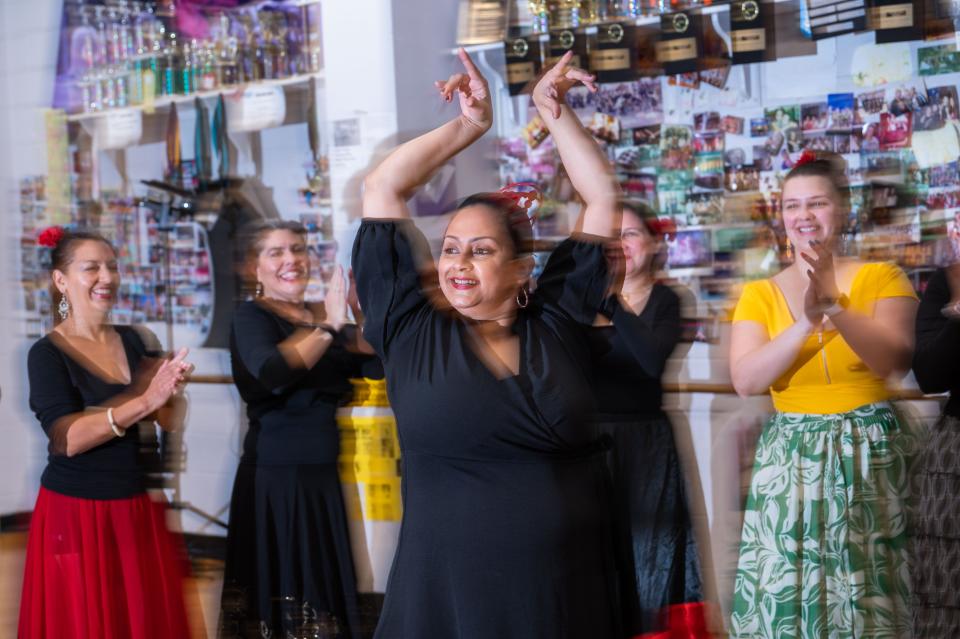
<point x="504" y="528"/>
<point x="823" y="549"/>
<point x="936" y="531"/>
<point x="100" y="560"/>
<point x="289" y="569"/>
<point x="631" y="343"/>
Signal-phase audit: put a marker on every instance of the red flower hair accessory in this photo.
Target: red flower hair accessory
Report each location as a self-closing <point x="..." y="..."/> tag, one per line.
<point x="806" y="157"/>
<point x="663" y="226"/>
<point x="520" y="201"/>
<point x="50" y="236"/>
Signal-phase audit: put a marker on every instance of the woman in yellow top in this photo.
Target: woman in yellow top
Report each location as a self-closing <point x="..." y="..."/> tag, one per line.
<point x="823" y="548"/>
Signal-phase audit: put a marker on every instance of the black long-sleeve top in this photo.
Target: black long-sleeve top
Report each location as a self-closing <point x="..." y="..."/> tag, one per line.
<point x="630" y="355"/>
<point x="292" y="411"/>
<point x="936" y="359"/>
<point x="61" y="386"/>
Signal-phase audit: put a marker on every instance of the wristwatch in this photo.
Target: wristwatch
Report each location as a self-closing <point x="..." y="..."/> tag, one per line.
<point x="839" y="305"/>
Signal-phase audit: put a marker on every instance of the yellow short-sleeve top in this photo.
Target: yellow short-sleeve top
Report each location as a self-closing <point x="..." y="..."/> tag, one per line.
<point x="827" y="376"/>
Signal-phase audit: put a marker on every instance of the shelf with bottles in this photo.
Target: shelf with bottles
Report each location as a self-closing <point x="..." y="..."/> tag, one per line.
<point x="125" y="55"/>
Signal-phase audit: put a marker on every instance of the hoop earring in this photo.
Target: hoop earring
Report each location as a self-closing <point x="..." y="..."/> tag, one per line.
<point x="526" y="298"/>
<point x="259" y="291"/>
<point x="63" y="308"/>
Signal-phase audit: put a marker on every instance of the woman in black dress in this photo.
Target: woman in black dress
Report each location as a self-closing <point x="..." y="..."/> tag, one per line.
<point x="936" y="532"/>
<point x="289" y="570"/>
<point x="504" y="528"/>
<point x="631" y="344"/>
<point x="100" y="559"/>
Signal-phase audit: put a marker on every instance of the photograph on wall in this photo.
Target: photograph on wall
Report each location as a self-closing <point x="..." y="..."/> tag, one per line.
<point x="761" y="158"/>
<point x="938" y="60"/>
<point x="742" y="178"/>
<point x="582" y="100"/>
<point x="944" y="99"/>
<point x="943" y="175"/>
<point x="705" y="208"/>
<point x="605" y="127"/>
<point x="794" y="139"/>
<point x="814" y="117"/>
<point x="647" y="135"/>
<point x="842" y="114"/>
<point x="732" y="125"/>
<point x="870" y="138"/>
<point x="708" y="142"/>
<point x="676" y="147"/>
<point x="685" y="80"/>
<point x="708" y="171"/>
<point x="774" y="142"/>
<point x="818" y="141"/>
<point x="906" y="98"/>
<point x="840" y="143"/>
<point x="759" y="127"/>
<point x="895" y="131"/>
<point x="734" y="157"/>
<point x="706" y="121"/>
<point x="870" y="103"/>
<point x="716" y="76"/>
<point x="637" y="103"/>
<point x="783" y="117"/>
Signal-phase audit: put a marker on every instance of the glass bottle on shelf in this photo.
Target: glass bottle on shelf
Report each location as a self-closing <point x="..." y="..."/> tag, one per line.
<point x="187" y="68"/>
<point x="227" y="51"/>
<point x="541" y="15"/>
<point x="83" y="68"/>
<point x="168" y="66"/>
<point x="281" y="57"/>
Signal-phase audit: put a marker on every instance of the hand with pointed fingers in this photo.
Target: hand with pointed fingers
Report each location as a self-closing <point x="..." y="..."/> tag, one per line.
<point x="472" y="90"/>
<point x="550" y="92"/>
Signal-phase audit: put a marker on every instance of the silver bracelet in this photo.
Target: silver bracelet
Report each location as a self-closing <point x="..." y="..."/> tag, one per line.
<point x="119" y="432"/>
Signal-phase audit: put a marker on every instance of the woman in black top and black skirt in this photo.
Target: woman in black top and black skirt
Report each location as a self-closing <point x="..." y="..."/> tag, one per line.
<point x="936" y="531"/>
<point x="289" y="569"/>
<point x="504" y="528"/>
<point x="639" y="330"/>
<point x="100" y="559"/>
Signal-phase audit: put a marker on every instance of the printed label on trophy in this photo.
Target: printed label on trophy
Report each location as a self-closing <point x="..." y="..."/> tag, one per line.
<point x="749" y="40"/>
<point x="677" y="23"/>
<point x="610" y="59"/>
<point x="677" y="50"/>
<point x="574" y="61"/>
<point x="892" y="16"/>
<point x="520" y="72"/>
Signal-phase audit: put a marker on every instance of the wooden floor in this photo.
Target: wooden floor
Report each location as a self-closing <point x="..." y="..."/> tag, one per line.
<point x="203" y="590"/>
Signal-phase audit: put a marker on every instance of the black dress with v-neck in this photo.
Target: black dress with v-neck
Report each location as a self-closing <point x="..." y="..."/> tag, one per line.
<point x="505" y="530"/>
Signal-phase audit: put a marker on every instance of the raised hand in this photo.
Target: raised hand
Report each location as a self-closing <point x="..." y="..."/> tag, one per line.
<point x="168" y="380"/>
<point x="472" y="89"/>
<point x="335" y="301"/>
<point x="550" y="92"/>
<point x="822" y="273"/>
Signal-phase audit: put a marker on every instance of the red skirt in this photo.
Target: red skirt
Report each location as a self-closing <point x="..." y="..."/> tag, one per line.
<point x="102" y="568"/>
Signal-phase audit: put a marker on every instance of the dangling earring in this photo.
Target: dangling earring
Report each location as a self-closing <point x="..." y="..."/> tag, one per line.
<point x="63" y="308"/>
<point x="259" y="291"/>
<point x="526" y="298"/>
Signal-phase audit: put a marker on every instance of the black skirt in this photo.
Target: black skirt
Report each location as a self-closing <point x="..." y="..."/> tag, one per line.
<point x="935" y="565"/>
<point x="289" y="570"/>
<point x="657" y="551"/>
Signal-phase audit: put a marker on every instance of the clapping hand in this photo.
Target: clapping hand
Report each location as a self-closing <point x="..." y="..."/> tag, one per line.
<point x="551" y="90"/>
<point x="472" y="89"/>
<point x="168" y="380"/>
<point x="822" y="291"/>
<point x="335" y="301"/>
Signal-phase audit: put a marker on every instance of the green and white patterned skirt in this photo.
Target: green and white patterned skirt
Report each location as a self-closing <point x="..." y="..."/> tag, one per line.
<point x="823" y="553"/>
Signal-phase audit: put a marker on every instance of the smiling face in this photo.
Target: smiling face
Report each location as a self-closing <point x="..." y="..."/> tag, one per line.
<point x="89" y="280"/>
<point x="282" y="265"/>
<point x="639" y="246"/>
<point x="811" y="210"/>
<point x="479" y="272"/>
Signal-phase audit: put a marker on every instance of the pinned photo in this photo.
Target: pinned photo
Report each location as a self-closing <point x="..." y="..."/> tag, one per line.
<point x="782" y="118"/>
<point x="870" y="103"/>
<point x="762" y="159"/>
<point x="676" y="147"/>
<point x="907" y="98"/>
<point x="842" y="114"/>
<point x="647" y="135"/>
<point x="708" y="142"/>
<point x="706" y="121"/>
<point x="814" y="117"/>
<point x="895" y="131"/>
<point x="637" y="103"/>
<point x="732" y="125"/>
<point x="605" y="127"/>
<point x="759" y="127"/>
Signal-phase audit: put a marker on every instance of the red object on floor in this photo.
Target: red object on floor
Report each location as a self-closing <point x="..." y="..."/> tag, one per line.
<point x="102" y="568"/>
<point x="683" y="621"/>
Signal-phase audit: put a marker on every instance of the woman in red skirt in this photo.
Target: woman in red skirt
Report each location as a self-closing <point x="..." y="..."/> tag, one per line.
<point x="100" y="559"/>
